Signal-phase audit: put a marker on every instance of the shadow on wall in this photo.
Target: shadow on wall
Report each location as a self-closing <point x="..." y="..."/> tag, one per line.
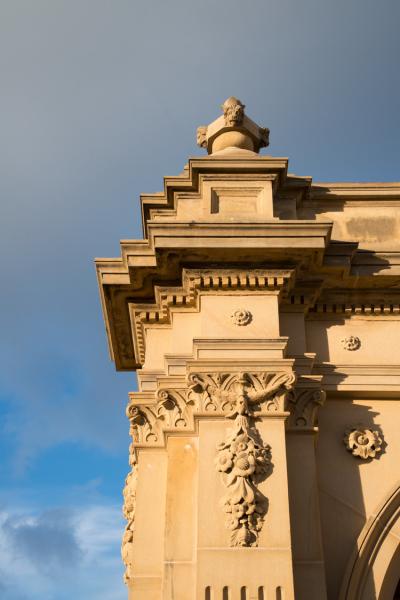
<point x="343" y="513"/>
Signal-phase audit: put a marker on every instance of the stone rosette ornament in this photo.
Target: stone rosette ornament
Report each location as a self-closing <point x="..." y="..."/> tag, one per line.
<point x="241" y="317"/>
<point x="362" y="442"/>
<point x="352" y="342"/>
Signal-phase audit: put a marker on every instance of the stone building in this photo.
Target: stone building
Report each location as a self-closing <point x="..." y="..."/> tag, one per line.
<point x="262" y="315"/>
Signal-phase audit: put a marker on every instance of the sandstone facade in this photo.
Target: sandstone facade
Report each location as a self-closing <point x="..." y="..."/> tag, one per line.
<point x="262" y="315"/>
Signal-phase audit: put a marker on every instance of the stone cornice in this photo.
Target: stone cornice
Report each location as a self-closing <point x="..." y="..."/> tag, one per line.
<point x="186" y="297"/>
<point x="189" y="180"/>
<point x="359" y="378"/>
<point x="242" y="240"/>
<point x="357" y="192"/>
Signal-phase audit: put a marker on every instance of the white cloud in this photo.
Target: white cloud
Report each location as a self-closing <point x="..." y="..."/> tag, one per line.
<point x="61" y="553"/>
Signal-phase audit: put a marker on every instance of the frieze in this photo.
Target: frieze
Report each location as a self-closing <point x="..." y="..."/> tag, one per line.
<point x="175" y="408"/>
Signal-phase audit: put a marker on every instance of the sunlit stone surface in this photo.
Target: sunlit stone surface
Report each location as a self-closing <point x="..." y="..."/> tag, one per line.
<point x="262" y="315"/>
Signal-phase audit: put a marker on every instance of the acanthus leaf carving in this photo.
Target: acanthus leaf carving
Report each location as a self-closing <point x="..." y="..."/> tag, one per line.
<point x="144" y="424"/>
<point x="173" y="408"/>
<point x="176" y="408"/>
<point x="210" y="392"/>
<point x="304" y="405"/>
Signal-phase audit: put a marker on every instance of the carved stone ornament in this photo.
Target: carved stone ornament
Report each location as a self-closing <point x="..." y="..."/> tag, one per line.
<point x="202" y="136"/>
<point x="233" y="111"/>
<point x="351" y="342"/>
<point x="176" y="409"/>
<point x="129" y="514"/>
<point x="244" y="460"/>
<point x="363" y="442"/>
<point x="304" y="405"/>
<point x="173" y="410"/>
<point x="241" y="317"/>
<point x="248" y="135"/>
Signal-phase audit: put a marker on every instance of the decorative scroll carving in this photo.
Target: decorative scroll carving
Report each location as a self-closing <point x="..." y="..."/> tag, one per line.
<point x="144" y="425"/>
<point x="363" y="442"/>
<point x="204" y="393"/>
<point x="243" y="459"/>
<point x="304" y="405"/>
<point x="129" y="514"/>
<point x="352" y="342"/>
<point x="172" y="411"/>
<point x="241" y="317"/>
<point x="173" y="408"/>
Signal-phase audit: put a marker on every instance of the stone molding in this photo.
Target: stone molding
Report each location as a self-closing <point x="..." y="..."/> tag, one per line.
<point x="356" y="308"/>
<point x="195" y="282"/>
<point x="358" y="378"/>
<point x="374" y="542"/>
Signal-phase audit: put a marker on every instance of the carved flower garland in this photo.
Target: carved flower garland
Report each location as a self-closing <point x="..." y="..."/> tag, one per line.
<point x="362" y="442"/>
<point x="243" y="462"/>
<point x="129" y="509"/>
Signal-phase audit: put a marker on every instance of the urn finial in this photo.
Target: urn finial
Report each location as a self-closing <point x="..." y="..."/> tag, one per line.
<point x="234" y="129"/>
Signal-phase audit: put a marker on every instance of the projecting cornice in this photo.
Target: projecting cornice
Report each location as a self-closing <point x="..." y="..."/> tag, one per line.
<point x="357" y="191"/>
<point x="238" y="210"/>
<point x="235" y="164"/>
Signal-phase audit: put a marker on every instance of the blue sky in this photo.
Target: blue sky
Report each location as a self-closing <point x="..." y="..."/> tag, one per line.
<point x="99" y="101"/>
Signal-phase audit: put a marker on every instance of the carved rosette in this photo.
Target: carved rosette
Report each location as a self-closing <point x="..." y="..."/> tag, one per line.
<point x="351" y="343"/>
<point x="243" y="459"/>
<point x="363" y="442"/>
<point x="241" y="317"/>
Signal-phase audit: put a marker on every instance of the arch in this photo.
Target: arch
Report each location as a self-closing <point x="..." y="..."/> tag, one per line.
<point x="372" y="571"/>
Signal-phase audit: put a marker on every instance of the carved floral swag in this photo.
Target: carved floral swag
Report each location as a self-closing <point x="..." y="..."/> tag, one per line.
<point x="243" y="459"/>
